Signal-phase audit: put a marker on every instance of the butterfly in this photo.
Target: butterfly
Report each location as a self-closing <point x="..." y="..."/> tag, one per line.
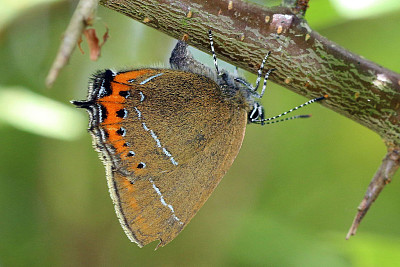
<point x="167" y="136"/>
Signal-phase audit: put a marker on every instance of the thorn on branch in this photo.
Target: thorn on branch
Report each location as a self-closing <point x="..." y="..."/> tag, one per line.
<point x="382" y="177"/>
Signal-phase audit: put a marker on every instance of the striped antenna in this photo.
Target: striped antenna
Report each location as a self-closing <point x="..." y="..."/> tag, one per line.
<point x="265" y="81"/>
<point x="269" y="120"/>
<point x="254" y="89"/>
<point x="213" y="51"/>
<point x="287" y="119"/>
<point x="260" y="71"/>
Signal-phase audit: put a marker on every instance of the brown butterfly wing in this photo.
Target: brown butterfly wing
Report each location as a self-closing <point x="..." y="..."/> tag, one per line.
<point x="184" y="135"/>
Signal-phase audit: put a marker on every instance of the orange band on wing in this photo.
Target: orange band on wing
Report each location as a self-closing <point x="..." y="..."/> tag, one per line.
<point x="126" y="76"/>
<point x="115" y="96"/>
<point x="113" y="136"/>
<point x="112" y="109"/>
<point x="120" y="148"/>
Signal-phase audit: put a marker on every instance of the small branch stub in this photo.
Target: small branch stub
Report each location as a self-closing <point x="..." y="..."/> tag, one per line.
<point x="382" y="177"/>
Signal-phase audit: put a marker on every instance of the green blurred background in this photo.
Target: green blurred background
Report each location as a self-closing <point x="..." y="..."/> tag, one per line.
<point x="288" y="199"/>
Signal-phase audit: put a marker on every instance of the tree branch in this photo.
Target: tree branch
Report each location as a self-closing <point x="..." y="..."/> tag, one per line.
<point x="306" y="62"/>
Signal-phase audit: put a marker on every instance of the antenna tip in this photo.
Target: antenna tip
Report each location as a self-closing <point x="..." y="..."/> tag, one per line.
<point x="320" y="98"/>
<point x="304" y="116"/>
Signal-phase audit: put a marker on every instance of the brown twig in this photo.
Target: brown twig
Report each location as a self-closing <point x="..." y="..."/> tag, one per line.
<point x="82" y="17"/>
<point x="382" y="177"/>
